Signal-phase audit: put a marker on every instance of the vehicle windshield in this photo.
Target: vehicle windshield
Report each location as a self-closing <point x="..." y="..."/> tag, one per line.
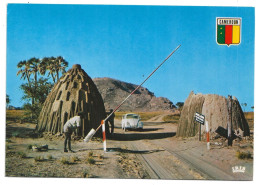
<point x="132" y="116"/>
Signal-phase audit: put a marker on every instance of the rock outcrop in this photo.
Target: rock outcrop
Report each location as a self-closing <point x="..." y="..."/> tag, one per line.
<point x="114" y="92"/>
<point x="215" y="110"/>
<point x="74" y="92"/>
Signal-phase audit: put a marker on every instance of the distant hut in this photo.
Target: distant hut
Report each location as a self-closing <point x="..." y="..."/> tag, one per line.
<point x="74" y="92"/>
<point x="215" y="110"/>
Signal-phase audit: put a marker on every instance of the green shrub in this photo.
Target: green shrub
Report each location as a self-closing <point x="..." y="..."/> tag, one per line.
<point x="90" y="154"/>
<point x="21" y="155"/>
<point x="29" y="147"/>
<point x="91" y="160"/>
<point x="8" y="147"/>
<point x="85" y="174"/>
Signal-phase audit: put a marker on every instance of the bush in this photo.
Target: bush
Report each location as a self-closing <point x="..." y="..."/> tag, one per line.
<point x="244" y="155"/>
<point x="49" y="157"/>
<point x="21" y="155"/>
<point x="91" y="160"/>
<point x="8" y="147"/>
<point x="85" y="174"/>
<point x="29" y="147"/>
<point x="38" y="158"/>
<point x="101" y="156"/>
<point x="90" y="154"/>
<point x="64" y="160"/>
<point x="73" y="159"/>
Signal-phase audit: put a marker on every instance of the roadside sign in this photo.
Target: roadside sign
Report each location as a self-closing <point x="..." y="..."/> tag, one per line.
<point x="199" y="118"/>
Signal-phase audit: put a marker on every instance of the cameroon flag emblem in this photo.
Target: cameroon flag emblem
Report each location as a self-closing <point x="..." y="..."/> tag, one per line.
<point x="228" y="31"/>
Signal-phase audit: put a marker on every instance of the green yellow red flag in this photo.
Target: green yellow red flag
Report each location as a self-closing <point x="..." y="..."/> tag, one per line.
<point x="228" y="31"/>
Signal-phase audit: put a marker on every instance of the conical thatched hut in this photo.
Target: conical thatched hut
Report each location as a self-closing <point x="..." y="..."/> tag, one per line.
<point x="74" y="92"/>
<point x="215" y="110"/>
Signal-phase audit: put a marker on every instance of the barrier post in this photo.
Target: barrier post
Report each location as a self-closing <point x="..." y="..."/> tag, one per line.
<point x="104" y="135"/>
<point x="207" y="133"/>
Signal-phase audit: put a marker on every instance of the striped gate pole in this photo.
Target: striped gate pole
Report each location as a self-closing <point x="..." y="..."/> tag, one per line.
<point x="207" y="133"/>
<point x="104" y="135"/>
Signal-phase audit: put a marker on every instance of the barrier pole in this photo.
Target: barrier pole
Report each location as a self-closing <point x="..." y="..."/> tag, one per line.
<point x="139" y="85"/>
<point x="207" y="133"/>
<point x="104" y="135"/>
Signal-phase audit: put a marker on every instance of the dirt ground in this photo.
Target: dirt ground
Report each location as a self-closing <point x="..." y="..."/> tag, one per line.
<point x="153" y="153"/>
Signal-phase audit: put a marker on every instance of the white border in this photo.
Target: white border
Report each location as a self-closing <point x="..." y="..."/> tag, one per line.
<point x="39" y="181"/>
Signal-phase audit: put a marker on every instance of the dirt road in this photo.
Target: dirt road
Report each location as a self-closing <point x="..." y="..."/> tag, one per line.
<point x="165" y="157"/>
<point x="153" y="153"/>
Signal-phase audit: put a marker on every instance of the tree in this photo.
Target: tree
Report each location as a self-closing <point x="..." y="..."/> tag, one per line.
<point x="25" y="70"/>
<point x="47" y="65"/>
<point x="54" y="66"/>
<point x="40" y="94"/>
<point x="8" y="100"/>
<point x="34" y="69"/>
<point x="180" y="105"/>
<point x="244" y="105"/>
<point x="36" y="90"/>
<point x="61" y="65"/>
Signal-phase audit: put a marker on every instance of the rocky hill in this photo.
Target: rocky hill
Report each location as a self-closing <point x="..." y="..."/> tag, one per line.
<point x="114" y="92"/>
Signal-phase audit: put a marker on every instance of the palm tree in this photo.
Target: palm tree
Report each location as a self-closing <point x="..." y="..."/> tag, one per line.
<point x="60" y="66"/>
<point x="55" y="66"/>
<point x="25" y="70"/>
<point x="7" y="100"/>
<point x="34" y="66"/>
<point x="43" y="66"/>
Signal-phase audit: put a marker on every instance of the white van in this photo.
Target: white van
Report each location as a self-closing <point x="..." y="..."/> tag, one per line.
<point x="131" y="121"/>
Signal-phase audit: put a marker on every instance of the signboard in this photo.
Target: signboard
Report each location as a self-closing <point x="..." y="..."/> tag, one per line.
<point x="228" y="31"/>
<point x="199" y="118"/>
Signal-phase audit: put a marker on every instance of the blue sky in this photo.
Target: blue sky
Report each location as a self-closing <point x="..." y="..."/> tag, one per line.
<point x="129" y="42"/>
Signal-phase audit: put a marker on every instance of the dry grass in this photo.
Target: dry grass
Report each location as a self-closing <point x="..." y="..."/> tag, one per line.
<point x="73" y="159"/>
<point x="64" y="160"/>
<point x="50" y="157"/>
<point x="171" y="118"/>
<point x="144" y="115"/>
<point x="38" y="158"/>
<point x="250" y="119"/>
<point x="14" y="115"/>
<point x="249" y="115"/>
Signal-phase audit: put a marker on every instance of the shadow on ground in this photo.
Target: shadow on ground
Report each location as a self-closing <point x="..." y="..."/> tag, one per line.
<point x="140" y="136"/>
<point x="132" y="151"/>
<point x="21" y="132"/>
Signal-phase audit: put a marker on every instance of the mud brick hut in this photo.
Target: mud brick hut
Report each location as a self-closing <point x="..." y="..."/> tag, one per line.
<point x="73" y="93"/>
<point x="215" y="110"/>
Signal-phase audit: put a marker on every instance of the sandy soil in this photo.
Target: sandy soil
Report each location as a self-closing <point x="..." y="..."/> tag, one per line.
<point x="154" y="153"/>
